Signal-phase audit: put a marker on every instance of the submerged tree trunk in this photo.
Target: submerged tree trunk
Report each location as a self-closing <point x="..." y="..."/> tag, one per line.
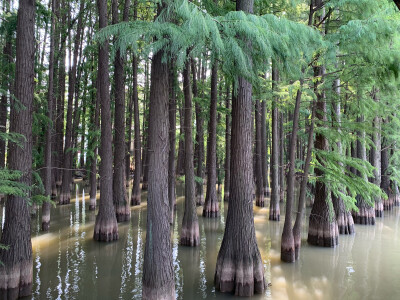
<point x="106" y="227"/>
<point x="190" y="235"/>
<point x="264" y="151"/>
<point x="211" y="209"/>
<point x="136" y="192"/>
<point x="239" y="265"/>
<point x="120" y="197"/>
<point x="158" y="271"/>
<point x="287" y="244"/>
<point x="172" y="141"/>
<point x="16" y="261"/>
<point x="227" y="146"/>
<point x="258" y="151"/>
<point x="48" y="147"/>
<point x="274" y="210"/>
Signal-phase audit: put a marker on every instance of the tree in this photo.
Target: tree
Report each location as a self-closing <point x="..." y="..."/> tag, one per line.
<point x="106" y="227"/>
<point x="16" y="268"/>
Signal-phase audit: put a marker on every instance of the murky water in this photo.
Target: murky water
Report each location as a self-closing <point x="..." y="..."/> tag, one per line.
<point x="69" y="264"/>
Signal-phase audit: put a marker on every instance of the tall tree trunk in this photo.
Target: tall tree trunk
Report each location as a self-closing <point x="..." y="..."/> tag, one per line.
<point x="199" y="140"/>
<point x="180" y="164"/>
<point x="227" y="145"/>
<point x="366" y="213"/>
<point x="94" y="141"/>
<point x="106" y="227"/>
<point x="65" y="195"/>
<point x="239" y="265"/>
<point x="190" y="235"/>
<point x="274" y="210"/>
<point x="158" y="271"/>
<point x="16" y="267"/>
<point x="343" y="215"/>
<point x="120" y="197"/>
<point x="136" y="192"/>
<point x="211" y="209"/>
<point x="303" y="187"/>
<point x="172" y="141"/>
<point x="258" y="153"/>
<point x="281" y="158"/>
<point x="385" y="177"/>
<point x="49" y="132"/>
<point x="376" y="160"/>
<point x="264" y="151"/>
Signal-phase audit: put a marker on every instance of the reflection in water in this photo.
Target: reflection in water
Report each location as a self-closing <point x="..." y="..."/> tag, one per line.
<point x="68" y="264"/>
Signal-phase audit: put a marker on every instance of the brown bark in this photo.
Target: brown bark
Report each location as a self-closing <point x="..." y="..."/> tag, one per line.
<point x="274" y="210"/>
<point x="106" y="227"/>
<point x="239" y="264"/>
<point x="120" y="197"/>
<point x="172" y="141"/>
<point x="264" y="151"/>
<point x="211" y="209"/>
<point x="48" y="147"/>
<point x="385" y="176"/>
<point x="227" y="146"/>
<point x="65" y="195"/>
<point x="258" y="153"/>
<point x="190" y="235"/>
<point x="287" y="243"/>
<point x="180" y="163"/>
<point x="281" y="158"/>
<point x="158" y="272"/>
<point x="16" y="268"/>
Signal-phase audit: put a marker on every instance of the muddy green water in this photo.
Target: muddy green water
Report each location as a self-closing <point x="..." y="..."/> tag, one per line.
<point x="69" y="264"/>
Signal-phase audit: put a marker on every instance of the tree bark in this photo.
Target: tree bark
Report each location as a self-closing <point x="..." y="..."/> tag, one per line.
<point x="287" y="243"/>
<point x="211" y="209"/>
<point x="239" y="265"/>
<point x="172" y="142"/>
<point x="190" y="235"/>
<point x="258" y="153"/>
<point x="274" y="210"/>
<point x="106" y="227"/>
<point x="264" y="151"/>
<point x="16" y="268"/>
<point x="385" y="177"/>
<point x="227" y="146"/>
<point x="158" y="271"/>
<point x="49" y="132"/>
<point x="120" y="197"/>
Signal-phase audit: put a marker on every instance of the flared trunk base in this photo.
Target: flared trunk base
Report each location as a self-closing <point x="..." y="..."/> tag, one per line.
<point x="244" y="277"/>
<point x="200" y="200"/>
<point x="166" y="292"/>
<point x="123" y="213"/>
<point x="288" y="250"/>
<point x="274" y="214"/>
<point x="364" y="216"/>
<point x="16" y="281"/>
<point x="105" y="229"/>
<point x="389" y="203"/>
<point x="260" y="201"/>
<point x="379" y="209"/>
<point x="345" y="223"/>
<point x="135" y="200"/>
<point x="65" y="198"/>
<point x="323" y="233"/>
<point x="211" y="209"/>
<point x="190" y="235"/>
<point x="145" y="186"/>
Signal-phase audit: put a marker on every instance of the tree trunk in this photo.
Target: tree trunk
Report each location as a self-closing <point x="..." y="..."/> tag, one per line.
<point x="227" y="146"/>
<point x="281" y="157"/>
<point x="120" y="197"/>
<point x="343" y="215"/>
<point x="158" y="271"/>
<point x="264" y="151"/>
<point x="303" y="187"/>
<point x="190" y="235"/>
<point x="65" y="195"/>
<point x="106" y="227"/>
<point x="239" y="265"/>
<point x="199" y="141"/>
<point x="258" y="153"/>
<point x="385" y="177"/>
<point x="274" y="210"/>
<point x="49" y="132"/>
<point x="366" y="213"/>
<point x="172" y="141"/>
<point x="180" y="164"/>
<point x="287" y="243"/>
<point x="16" y="267"/>
<point x="211" y="209"/>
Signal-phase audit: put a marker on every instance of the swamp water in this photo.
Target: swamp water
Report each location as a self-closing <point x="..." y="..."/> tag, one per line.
<point x="69" y="264"/>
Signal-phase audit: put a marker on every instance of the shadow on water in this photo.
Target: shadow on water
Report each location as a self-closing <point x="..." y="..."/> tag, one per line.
<point x="69" y="264"/>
